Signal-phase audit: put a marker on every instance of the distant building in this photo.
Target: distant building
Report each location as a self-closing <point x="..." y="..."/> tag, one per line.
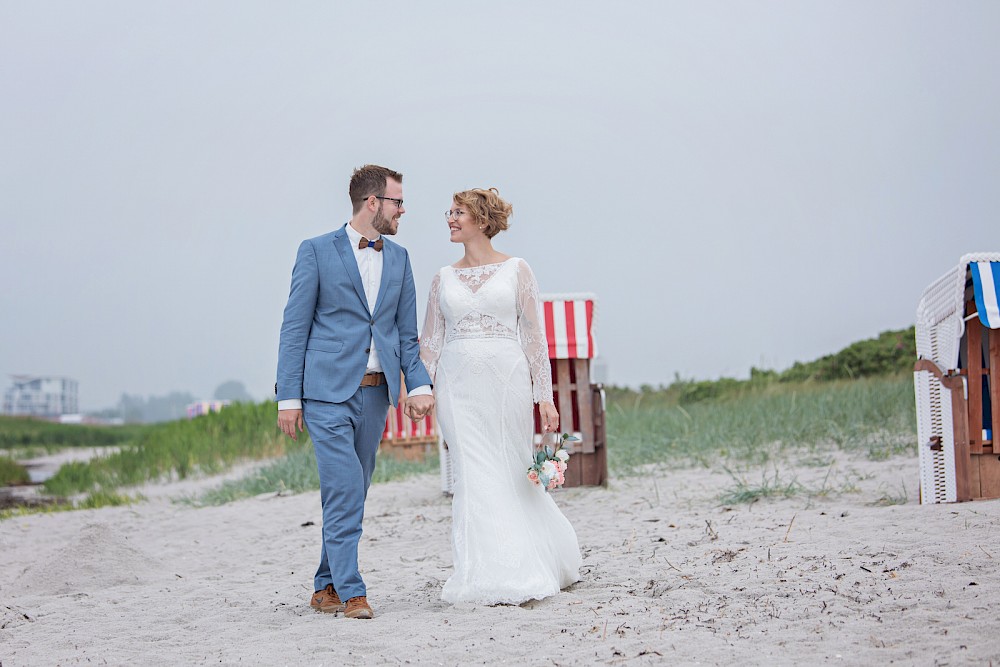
<point x="199" y="408"/>
<point x="40" y="396"/>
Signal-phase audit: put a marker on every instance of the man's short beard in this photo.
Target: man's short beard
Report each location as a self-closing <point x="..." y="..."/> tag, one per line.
<point x="382" y="225"/>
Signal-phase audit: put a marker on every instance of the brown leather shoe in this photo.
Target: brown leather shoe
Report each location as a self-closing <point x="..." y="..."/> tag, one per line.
<point x="358" y="608"/>
<point x="327" y="600"/>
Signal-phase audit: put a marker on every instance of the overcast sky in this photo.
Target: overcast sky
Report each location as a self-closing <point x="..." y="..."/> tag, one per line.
<point x="741" y="183"/>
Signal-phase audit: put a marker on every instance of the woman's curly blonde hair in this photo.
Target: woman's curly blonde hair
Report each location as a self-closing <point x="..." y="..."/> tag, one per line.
<point x="487" y="208"/>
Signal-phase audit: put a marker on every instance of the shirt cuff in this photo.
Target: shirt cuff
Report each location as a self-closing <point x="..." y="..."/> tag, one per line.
<point x="290" y="404"/>
<point x="422" y="390"/>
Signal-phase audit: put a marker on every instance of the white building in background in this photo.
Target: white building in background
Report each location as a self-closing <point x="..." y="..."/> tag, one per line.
<point x="40" y="396"/>
<point x="199" y="408"/>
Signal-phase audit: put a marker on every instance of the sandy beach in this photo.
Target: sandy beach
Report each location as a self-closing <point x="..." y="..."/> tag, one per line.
<point x="670" y="576"/>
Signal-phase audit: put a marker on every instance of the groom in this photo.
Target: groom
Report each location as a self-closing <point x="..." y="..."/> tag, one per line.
<point x="349" y="327"/>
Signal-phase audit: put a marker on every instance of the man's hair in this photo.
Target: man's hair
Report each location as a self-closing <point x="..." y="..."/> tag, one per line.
<point x="370" y="180"/>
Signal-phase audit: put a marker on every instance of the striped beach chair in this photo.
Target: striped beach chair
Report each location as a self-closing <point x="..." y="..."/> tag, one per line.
<point x="403" y="438"/>
<point x="569" y="332"/>
<point x="957" y="394"/>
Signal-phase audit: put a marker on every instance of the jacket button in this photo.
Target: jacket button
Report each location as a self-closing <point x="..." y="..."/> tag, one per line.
<point x="371" y="322"/>
<point x="368" y="350"/>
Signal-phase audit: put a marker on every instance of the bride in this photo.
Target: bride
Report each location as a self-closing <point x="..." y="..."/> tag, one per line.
<point x="485" y="350"/>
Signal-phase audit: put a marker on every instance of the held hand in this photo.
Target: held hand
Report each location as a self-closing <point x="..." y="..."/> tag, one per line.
<point x="291" y="423"/>
<point x="550" y="417"/>
<point x="418" y="407"/>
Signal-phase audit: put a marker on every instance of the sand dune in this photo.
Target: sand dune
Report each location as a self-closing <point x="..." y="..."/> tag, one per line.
<point x="670" y="576"/>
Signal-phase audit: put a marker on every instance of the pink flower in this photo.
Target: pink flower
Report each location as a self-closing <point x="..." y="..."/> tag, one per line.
<point x="533" y="476"/>
<point x="561" y="466"/>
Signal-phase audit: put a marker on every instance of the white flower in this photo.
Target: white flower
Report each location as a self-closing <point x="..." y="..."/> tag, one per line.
<point x="562" y="455"/>
<point x="549" y="469"/>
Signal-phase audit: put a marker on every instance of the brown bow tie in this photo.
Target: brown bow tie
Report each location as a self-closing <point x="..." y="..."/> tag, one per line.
<point x="365" y="243"/>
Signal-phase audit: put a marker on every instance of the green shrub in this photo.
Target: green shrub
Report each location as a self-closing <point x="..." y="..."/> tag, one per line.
<point x="889" y="354"/>
<point x="892" y="352"/>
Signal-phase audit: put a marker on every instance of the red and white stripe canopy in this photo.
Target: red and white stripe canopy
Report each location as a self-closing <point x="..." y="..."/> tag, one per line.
<point x="569" y="325"/>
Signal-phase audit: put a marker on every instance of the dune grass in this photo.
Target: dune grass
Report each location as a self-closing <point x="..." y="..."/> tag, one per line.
<point x="746" y="426"/>
<point x="12" y="472"/>
<point x="23" y="432"/>
<point x="92" y="500"/>
<point x="873" y="416"/>
<point x="752" y="427"/>
<point x="759" y="426"/>
<point x="296" y="472"/>
<point x="208" y="444"/>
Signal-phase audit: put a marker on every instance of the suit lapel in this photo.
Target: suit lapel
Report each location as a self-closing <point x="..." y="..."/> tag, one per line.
<point x="388" y="256"/>
<point x="343" y="245"/>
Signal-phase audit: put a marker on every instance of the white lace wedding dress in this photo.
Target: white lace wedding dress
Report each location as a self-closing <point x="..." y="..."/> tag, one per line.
<point x="484" y="347"/>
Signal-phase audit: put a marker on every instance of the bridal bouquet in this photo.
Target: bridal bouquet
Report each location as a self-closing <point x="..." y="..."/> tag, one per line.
<point x="549" y="468"/>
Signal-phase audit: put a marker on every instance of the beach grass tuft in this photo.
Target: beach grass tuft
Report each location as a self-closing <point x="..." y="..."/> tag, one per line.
<point x="892" y="497"/>
<point x="12" y="472"/>
<point x="46" y="505"/>
<point x="104" y="498"/>
<point x="770" y="486"/>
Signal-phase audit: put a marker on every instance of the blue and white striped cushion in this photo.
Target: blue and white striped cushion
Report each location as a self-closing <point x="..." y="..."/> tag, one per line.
<point x="985" y="283"/>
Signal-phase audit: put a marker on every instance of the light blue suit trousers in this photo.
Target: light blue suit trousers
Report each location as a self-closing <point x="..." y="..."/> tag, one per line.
<point x="345" y="437"/>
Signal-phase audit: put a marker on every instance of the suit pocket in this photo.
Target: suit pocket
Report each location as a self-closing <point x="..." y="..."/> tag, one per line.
<point x="325" y="345"/>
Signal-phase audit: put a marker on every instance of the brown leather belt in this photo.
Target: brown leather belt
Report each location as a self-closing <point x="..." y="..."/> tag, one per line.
<point x="373" y="379"/>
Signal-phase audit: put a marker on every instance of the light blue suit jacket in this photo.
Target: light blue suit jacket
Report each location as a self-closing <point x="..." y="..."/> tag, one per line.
<point x="327" y="329"/>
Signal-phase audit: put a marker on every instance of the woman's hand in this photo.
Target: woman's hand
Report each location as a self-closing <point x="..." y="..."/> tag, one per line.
<point x="550" y="417"/>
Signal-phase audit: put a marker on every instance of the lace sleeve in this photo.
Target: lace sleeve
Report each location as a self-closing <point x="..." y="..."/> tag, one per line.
<point x="532" y="333"/>
<point x="432" y="337"/>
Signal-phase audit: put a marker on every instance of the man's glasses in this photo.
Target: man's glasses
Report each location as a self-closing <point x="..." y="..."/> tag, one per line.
<point x="397" y="202"/>
<point x="453" y="212"/>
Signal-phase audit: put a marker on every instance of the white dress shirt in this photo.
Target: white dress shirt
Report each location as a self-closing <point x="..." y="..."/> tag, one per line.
<point x="370" y="267"/>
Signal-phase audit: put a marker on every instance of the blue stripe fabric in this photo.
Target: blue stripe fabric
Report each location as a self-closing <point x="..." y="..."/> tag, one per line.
<point x="985" y="283"/>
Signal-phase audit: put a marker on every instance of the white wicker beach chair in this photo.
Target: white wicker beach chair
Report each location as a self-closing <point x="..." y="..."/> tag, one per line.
<point x="940" y="326"/>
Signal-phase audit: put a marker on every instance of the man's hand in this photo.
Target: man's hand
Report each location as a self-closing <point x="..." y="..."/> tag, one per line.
<point x="418" y="407"/>
<point x="289" y="421"/>
<point x="550" y="417"/>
